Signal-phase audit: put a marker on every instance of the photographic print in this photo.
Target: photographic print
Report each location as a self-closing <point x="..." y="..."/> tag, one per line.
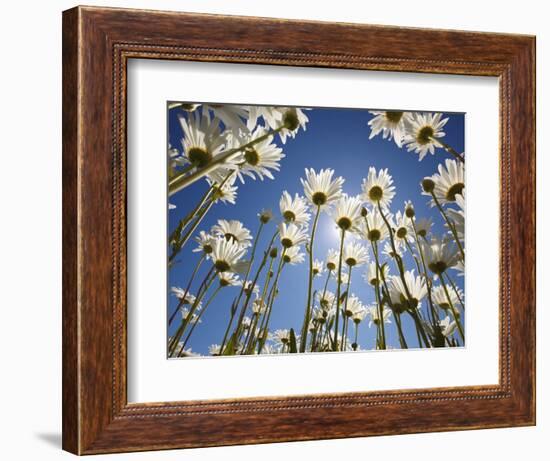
<point x="313" y="229"/>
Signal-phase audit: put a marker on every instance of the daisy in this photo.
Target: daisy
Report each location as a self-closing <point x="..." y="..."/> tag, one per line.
<point x="191" y="318"/>
<point x="258" y="306"/>
<point x="232" y="116"/>
<point x="353" y="306"/>
<point x="332" y="260"/>
<point x="228" y="192"/>
<point x="214" y="349"/>
<point x="292" y="235"/>
<point x="265" y="216"/>
<point x="459" y="267"/>
<point x="447" y="327"/>
<point x="377" y="188"/>
<point x="372" y="274"/>
<point x="226" y="255"/>
<point x="233" y="230"/>
<point x="249" y="287"/>
<point x="449" y="182"/>
<point x="320" y="188"/>
<point x="374" y="314"/>
<point x="202" y="139"/>
<point x="399" y="249"/>
<point x="403" y="228"/>
<point x="457" y="216"/>
<point x="374" y="229"/>
<point x="423" y="226"/>
<point x="258" y="159"/>
<point x="292" y="119"/>
<point x="326" y="299"/>
<point x="228" y="279"/>
<point x="293" y="255"/>
<point x="422" y="132"/>
<point x="347" y="212"/>
<point x="439" y="297"/>
<point x="294" y="209"/>
<point x="355" y="254"/>
<point x="440" y="254"/>
<point x="184" y="298"/>
<point x="408" y="295"/>
<point x="281" y="337"/>
<point x="390" y="123"/>
<point x="204" y="240"/>
<point x="318" y="267"/>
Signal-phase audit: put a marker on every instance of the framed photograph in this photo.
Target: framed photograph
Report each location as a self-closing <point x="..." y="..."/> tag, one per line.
<point x="266" y="223"/>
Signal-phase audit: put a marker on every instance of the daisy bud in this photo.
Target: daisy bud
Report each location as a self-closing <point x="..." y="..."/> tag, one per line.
<point x="273" y="252"/>
<point x="290" y="120"/>
<point x="364" y="212"/>
<point x="409" y="212"/>
<point x="428" y="185"/>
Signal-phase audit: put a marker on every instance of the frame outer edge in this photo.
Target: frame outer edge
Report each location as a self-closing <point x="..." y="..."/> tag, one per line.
<point x="70" y="211"/>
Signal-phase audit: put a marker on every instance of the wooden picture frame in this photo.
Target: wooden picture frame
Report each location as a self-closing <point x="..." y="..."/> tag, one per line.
<point x="97" y="43"/>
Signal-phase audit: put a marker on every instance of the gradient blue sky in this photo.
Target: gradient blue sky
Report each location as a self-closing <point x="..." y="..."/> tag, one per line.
<point x="334" y="138"/>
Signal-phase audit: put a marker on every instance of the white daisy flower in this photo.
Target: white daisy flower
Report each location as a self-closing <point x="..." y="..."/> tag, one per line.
<point x="333" y="257"/>
<point x="258" y="159"/>
<point x="202" y="139"/>
<point x="377" y="188"/>
<point x="294" y="209"/>
<point x="183" y="297"/>
<point x="347" y="212"/>
<point x="414" y="286"/>
<point x="400" y="248"/>
<point x="449" y="182"/>
<point x="320" y="188"/>
<point x="403" y="228"/>
<point x="233" y="230"/>
<point x="274" y="117"/>
<point x="191" y="318"/>
<point x="390" y="123"/>
<point x="373" y="276"/>
<point x="423" y="226"/>
<point x="440" y="254"/>
<point x="204" y="240"/>
<point x="374" y="229"/>
<point x="318" y="267"/>
<point x="326" y="299"/>
<point x="258" y="306"/>
<point x="231" y="115"/>
<point x="292" y="235"/>
<point x="228" y="192"/>
<point x="293" y="255"/>
<point x="248" y="286"/>
<point x="447" y="327"/>
<point x="226" y="255"/>
<point x="374" y="314"/>
<point x="214" y="349"/>
<point x="439" y="297"/>
<point x="459" y="267"/>
<point x="355" y="254"/>
<point x="354" y="306"/>
<point x="189" y="353"/>
<point x="457" y="216"/>
<point x="228" y="279"/>
<point x="280" y="337"/>
<point x="422" y="132"/>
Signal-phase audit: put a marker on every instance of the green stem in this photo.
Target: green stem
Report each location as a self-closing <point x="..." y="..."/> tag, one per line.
<point x="453" y="311"/>
<point x="380" y="324"/>
<point x="187" y="288"/>
<point x="335" y="339"/>
<point x="450" y="225"/>
<point x="345" y="317"/>
<point x="307" y="314"/>
<point x="449" y="149"/>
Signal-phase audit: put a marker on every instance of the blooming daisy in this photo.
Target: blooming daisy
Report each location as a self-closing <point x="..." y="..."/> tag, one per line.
<point x="390" y="123"/>
<point x="374" y="229"/>
<point x="249" y="287"/>
<point x="228" y="279"/>
<point x="318" y="267"/>
<point x="226" y="255"/>
<point x="227" y="193"/>
<point x="372" y="274"/>
<point x="409" y="294"/>
<point x="439" y="297"/>
<point x="355" y="254"/>
<point x="332" y="259"/>
<point x="233" y="230"/>
<point x="280" y="337"/>
<point x="293" y="255"/>
<point x="204" y="240"/>
<point x="231" y="115"/>
<point x="258" y="306"/>
<point x="353" y="306"/>
<point x="457" y="216"/>
<point x="400" y="248"/>
<point x="403" y="228"/>
<point x="422" y="132"/>
<point x="374" y="314"/>
<point x="191" y="318"/>
<point x="292" y="235"/>
<point x="294" y="209"/>
<point x="347" y="212"/>
<point x="258" y="159"/>
<point x="276" y="117"/>
<point x="447" y="327"/>
<point x="184" y="298"/>
<point x="440" y="254"/>
<point x="214" y="349"/>
<point x="320" y="188"/>
<point x="202" y="139"/>
<point x="423" y="226"/>
<point x="326" y="299"/>
<point x="377" y="188"/>
<point x="449" y="182"/>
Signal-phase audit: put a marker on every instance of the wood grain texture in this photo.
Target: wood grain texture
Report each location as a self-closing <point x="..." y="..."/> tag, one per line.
<point x="97" y="43"/>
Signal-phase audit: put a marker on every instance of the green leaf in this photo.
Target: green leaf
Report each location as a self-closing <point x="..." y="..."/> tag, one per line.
<point x="292" y="343"/>
<point x="230" y="346"/>
<point x="343" y="297"/>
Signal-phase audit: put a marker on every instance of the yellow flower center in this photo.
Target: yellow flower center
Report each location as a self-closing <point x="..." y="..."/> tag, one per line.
<point x="319" y="198"/>
<point x="252" y="157"/>
<point x="425" y="135"/>
<point x="375" y="193"/>
<point x="199" y="157"/>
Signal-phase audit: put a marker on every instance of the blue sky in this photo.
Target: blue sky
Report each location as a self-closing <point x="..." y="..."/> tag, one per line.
<point x="334" y="138"/>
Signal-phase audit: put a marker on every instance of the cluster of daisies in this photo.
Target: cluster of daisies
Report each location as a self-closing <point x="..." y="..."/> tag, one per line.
<point x="224" y="143"/>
